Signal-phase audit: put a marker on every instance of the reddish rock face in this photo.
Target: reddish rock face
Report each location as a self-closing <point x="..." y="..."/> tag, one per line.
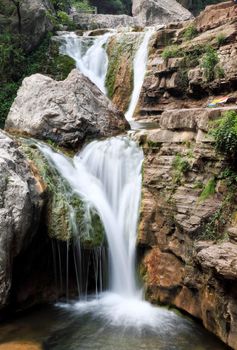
<point x="216" y="15"/>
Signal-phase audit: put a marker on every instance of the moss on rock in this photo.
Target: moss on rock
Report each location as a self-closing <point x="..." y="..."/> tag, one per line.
<point x="119" y="79"/>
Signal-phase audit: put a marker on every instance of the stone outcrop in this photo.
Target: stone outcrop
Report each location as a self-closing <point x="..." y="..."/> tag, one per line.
<point x="35" y="20"/>
<point x="91" y="22"/>
<point x="176" y="76"/>
<point x="20" y="207"/>
<point x="215" y="16"/>
<point x="150" y="12"/>
<point x="67" y="112"/>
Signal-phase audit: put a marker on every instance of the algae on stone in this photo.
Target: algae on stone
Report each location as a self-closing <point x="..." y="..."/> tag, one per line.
<point x="121" y="51"/>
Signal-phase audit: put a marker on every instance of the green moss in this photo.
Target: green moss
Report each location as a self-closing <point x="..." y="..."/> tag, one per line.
<point x="122" y="47"/>
<point x="209" y="190"/>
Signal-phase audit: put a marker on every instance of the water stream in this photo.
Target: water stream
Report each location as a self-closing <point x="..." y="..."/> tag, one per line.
<point x="140" y="64"/>
<point x="89" y="54"/>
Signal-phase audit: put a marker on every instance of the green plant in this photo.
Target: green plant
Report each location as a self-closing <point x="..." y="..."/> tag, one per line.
<point x="220" y="39"/>
<point x="83" y="6"/>
<point x="219" y="72"/>
<point x="209" y="189"/>
<point x="181" y="167"/>
<point x="171" y="51"/>
<point x="225" y="134"/>
<point x="65" y="20"/>
<point x="209" y="61"/>
<point x="190" y="32"/>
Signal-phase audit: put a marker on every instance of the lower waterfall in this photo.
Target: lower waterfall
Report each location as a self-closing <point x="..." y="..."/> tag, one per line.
<point x="107" y="176"/>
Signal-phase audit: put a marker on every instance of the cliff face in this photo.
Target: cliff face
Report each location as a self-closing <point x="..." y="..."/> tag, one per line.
<point x="188" y="225"/>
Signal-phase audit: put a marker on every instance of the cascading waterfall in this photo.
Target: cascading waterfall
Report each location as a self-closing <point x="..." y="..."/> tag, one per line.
<point x="89" y="54"/>
<point x="107" y="176"/>
<point x="140" y="63"/>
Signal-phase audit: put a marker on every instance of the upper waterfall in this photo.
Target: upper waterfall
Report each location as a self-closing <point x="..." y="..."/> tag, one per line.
<point x="89" y="54"/>
<point x="139" y="68"/>
<point x="107" y="176"/>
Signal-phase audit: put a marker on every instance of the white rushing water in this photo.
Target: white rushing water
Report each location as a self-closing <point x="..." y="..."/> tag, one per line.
<point x="89" y="54"/>
<point x="139" y="69"/>
<point x="107" y="175"/>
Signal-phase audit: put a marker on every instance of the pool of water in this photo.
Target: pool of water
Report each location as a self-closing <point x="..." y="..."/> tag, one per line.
<point x="108" y="323"/>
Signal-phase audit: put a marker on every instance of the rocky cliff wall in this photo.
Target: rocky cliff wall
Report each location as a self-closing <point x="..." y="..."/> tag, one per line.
<point x="188" y="215"/>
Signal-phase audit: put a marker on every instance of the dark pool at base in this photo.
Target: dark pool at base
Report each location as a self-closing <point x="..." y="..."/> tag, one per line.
<point x="60" y="328"/>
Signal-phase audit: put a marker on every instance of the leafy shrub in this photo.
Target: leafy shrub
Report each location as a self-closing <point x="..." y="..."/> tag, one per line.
<point x="209" y="189"/>
<point x="190" y="32"/>
<point x="83" y="6"/>
<point x="171" y="51"/>
<point x="65" y="20"/>
<point x="225" y="135"/>
<point x="209" y="61"/>
<point x="220" y="39"/>
<point x="181" y="166"/>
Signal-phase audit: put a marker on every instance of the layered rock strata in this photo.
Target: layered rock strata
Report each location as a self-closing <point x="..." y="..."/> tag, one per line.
<point x="191" y="63"/>
<point x="188" y="221"/>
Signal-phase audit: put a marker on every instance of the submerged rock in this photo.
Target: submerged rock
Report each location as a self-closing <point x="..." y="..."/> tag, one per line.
<point x="67" y="112"/>
<point x="151" y="12"/>
<point x="20" y="207"/>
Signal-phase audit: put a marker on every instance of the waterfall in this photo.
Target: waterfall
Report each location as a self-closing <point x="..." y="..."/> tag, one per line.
<point x="89" y="54"/>
<point x="140" y="63"/>
<point x="107" y="176"/>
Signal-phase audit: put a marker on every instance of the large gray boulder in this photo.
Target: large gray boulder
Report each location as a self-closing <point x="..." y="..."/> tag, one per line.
<point x="67" y="112"/>
<point x="20" y="208"/>
<point x="151" y="12"/>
